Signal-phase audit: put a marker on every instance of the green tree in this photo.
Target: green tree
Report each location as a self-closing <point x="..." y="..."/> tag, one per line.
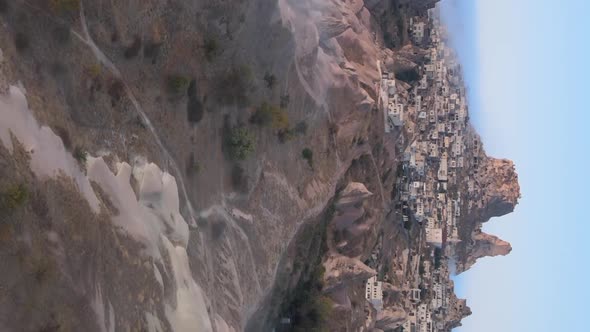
<point x="80" y="155"/>
<point x="271" y="115"/>
<point x="286" y="135"/>
<point x="211" y="48"/>
<point x="270" y="80"/>
<point x="285" y="100"/>
<point x="177" y="83"/>
<point x="301" y="128"/>
<point x="14" y="197"/>
<point x="240" y="143"/>
<point x="307" y="154"/>
<point x="235" y="85"/>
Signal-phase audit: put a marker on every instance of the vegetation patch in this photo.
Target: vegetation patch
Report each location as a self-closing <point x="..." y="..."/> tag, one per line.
<point x="241" y="143"/>
<point x="80" y="155"/>
<point x="301" y="128"/>
<point x="116" y="91"/>
<point x="65" y="5"/>
<point x="177" y="84"/>
<point x="132" y="50"/>
<point x="211" y="48"/>
<point x="195" y="110"/>
<point x="233" y="87"/>
<point x="21" y="42"/>
<point x="286" y="135"/>
<point x="307" y="154"/>
<point x="94" y="70"/>
<point x="437" y="258"/>
<point x="194" y="106"/>
<point x="239" y="179"/>
<point x="270" y="80"/>
<point x="13" y="198"/>
<point x="151" y="51"/>
<point x="305" y="305"/>
<point x="270" y="115"/>
<point x="408" y="75"/>
<point x="285" y="100"/>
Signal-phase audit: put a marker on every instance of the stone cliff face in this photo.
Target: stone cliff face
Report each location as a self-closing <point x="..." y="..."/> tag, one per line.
<point x="486" y="245"/>
<point x="457" y="312"/>
<point x="497" y="192"/>
<point x="501" y="188"/>
<point x="163" y="82"/>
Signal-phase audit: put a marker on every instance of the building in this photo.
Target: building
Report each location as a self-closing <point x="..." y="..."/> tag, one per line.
<point x="418" y="31"/>
<point x="395" y="112"/>
<point x="434" y="236"/>
<point x="442" y="170"/>
<point x="415" y="295"/>
<point x="374" y="293"/>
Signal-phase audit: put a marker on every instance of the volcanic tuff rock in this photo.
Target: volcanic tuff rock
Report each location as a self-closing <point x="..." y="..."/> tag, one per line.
<point x="391" y="318"/>
<point x="495" y="192"/>
<point x="342" y="271"/>
<point x="501" y="188"/>
<point x="353" y="194"/>
<point x="486" y="245"/>
<point x="456" y="313"/>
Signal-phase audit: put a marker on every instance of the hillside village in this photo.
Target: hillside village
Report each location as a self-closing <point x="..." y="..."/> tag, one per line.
<point x="437" y="179"/>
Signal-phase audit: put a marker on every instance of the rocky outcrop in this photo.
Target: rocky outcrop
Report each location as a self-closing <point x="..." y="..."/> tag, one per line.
<point x="391" y="318"/>
<point x="353" y="194"/>
<point x="495" y="192"/>
<point x="457" y="312"/>
<point x="501" y="188"/>
<point x="343" y="271"/>
<point x="484" y="245"/>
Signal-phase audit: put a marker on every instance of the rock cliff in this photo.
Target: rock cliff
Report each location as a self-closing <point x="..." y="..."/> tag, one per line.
<point x="485" y="245"/>
<point x="495" y="192"/>
<point x="501" y="188"/>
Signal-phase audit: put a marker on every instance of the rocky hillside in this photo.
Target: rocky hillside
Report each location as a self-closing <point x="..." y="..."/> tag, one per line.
<point x="173" y="165"/>
<point x="495" y="192"/>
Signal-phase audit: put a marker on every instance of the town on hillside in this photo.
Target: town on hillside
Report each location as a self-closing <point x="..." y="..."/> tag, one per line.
<point x="437" y="180"/>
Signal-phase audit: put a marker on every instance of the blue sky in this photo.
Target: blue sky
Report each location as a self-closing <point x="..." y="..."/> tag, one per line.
<point x="526" y="69"/>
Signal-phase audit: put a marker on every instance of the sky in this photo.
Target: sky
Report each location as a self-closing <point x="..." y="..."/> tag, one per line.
<point x="526" y="69"/>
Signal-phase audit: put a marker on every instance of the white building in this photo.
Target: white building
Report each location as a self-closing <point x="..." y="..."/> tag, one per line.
<point x="439" y="296"/>
<point x="374" y="293"/>
<point x="434" y="236"/>
<point x="419" y="210"/>
<point x="418" y="31"/>
<point x="395" y="112"/>
<point x="415" y="295"/>
<point x="442" y="170"/>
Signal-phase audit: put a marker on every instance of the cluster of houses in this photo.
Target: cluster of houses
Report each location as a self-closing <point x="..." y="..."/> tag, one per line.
<point x="432" y="161"/>
<point x="435" y="119"/>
